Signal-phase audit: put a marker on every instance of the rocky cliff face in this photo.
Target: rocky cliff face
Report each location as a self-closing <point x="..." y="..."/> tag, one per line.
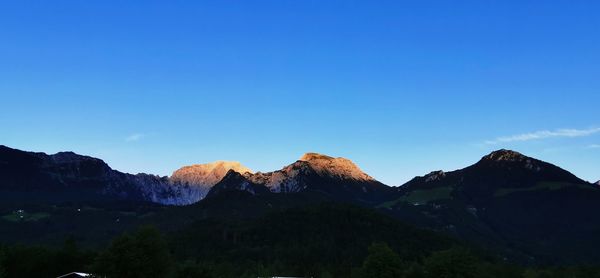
<point x="207" y="174"/>
<point x="336" y="177"/>
<point x="198" y="179"/>
<point x="339" y="167"/>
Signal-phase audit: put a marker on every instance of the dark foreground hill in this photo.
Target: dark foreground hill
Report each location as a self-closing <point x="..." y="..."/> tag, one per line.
<point x="304" y="240"/>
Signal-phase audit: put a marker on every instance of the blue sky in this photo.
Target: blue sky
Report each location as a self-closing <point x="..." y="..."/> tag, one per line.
<point x="400" y="87"/>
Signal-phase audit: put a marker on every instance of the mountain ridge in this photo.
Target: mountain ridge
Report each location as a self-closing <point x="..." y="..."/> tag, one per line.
<point x="187" y="185"/>
<point x="531" y="209"/>
<point x="67" y="176"/>
<point x="338" y="177"/>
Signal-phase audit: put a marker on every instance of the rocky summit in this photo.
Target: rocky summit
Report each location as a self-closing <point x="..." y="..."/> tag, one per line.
<point x="338" y="167"/>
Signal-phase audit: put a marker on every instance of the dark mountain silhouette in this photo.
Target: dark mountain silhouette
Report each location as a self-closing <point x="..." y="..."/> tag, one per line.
<point x="531" y="209"/>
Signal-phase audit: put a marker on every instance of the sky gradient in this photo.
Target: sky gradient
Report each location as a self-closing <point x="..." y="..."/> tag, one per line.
<point x="400" y="87"/>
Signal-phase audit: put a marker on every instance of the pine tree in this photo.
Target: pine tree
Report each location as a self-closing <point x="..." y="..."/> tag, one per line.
<point x="145" y="254"/>
<point x="382" y="262"/>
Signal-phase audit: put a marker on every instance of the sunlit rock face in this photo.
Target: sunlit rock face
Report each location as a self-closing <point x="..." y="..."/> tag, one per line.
<point x="337" y="177"/>
<point x="207" y="174"/>
<point x="195" y="181"/>
<point x="293" y="178"/>
<point x="337" y="167"/>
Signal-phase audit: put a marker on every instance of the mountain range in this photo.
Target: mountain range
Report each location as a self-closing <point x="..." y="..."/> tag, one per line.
<point x="518" y="207"/>
<point x="67" y="173"/>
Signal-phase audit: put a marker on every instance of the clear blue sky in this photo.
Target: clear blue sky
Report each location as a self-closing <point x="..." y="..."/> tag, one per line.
<point x="400" y="87"/>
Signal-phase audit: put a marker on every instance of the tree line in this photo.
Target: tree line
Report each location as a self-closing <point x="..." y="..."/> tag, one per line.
<point x="321" y="241"/>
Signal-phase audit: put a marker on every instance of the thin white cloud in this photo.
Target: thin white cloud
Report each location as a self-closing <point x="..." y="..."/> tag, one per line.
<point x="544" y="134"/>
<point x="134" y="137"/>
<point x="594" y="146"/>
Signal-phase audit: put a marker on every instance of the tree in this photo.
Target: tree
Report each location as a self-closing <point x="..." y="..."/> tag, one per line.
<point x="382" y="262"/>
<point x="2" y="263"/>
<point x="414" y="270"/>
<point x="145" y="254"/>
<point x="326" y="274"/>
<point x="452" y="263"/>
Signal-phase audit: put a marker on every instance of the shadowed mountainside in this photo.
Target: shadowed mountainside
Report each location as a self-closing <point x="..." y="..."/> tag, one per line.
<point x="533" y="210"/>
<point x="29" y="177"/>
